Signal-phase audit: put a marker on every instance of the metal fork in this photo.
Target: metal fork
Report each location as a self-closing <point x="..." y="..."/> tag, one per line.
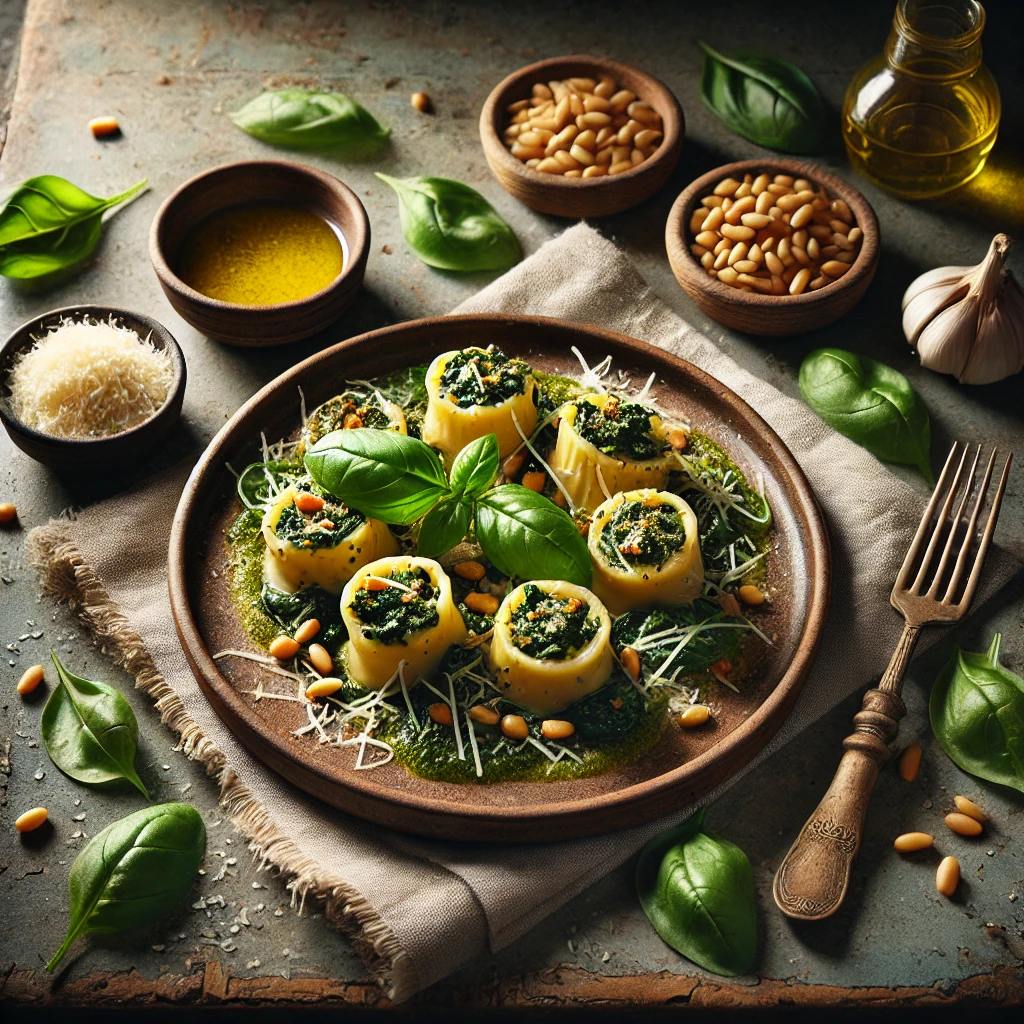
<point x="812" y="880"/>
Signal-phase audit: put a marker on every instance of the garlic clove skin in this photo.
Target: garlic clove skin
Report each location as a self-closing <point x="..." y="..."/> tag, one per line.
<point x="968" y="321"/>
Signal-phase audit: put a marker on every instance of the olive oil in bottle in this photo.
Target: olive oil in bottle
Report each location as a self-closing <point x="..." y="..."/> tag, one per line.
<point x="921" y="119"/>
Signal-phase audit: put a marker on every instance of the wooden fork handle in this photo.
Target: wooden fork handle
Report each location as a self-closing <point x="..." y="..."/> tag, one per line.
<point x="812" y="881"/>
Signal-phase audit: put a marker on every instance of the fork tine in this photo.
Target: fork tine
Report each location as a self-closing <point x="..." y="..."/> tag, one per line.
<point x="955" y="522"/>
<point x="937" y="530"/>
<point x="915" y="544"/>
<point x="993" y="515"/>
<point x="961" y="560"/>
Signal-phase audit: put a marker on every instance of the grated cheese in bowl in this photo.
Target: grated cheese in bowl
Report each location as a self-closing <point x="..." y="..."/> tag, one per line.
<point x="88" y="378"/>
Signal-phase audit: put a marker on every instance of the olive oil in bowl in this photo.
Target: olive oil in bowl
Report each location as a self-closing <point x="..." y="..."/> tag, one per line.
<point x="262" y="255"/>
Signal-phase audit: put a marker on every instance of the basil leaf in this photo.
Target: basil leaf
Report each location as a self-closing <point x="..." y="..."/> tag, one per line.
<point x="48" y="224"/>
<point x="977" y="713"/>
<point x="301" y="119"/>
<point x="698" y="892"/>
<point x="134" y="872"/>
<point x="385" y="475"/>
<point x="526" y="535"/>
<point x="475" y="467"/>
<point x="444" y="526"/>
<point x="870" y="403"/>
<point x="451" y="226"/>
<point x="763" y="98"/>
<point x="90" y="731"/>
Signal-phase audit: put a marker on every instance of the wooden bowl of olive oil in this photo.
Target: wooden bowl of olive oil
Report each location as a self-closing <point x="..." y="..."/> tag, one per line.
<point x="261" y="252"/>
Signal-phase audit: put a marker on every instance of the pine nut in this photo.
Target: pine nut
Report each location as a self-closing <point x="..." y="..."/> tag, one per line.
<point x="556" y="729"/>
<point x="745" y="266"/>
<point x="581" y="155"/>
<point x="910" y="842"/>
<point x="727" y="275"/>
<point x="737" y="232"/>
<point x="515" y="727"/>
<point x="31" y="820"/>
<point x="482" y="604"/>
<point x="563" y="140"/>
<point x="749" y="594"/>
<point x="819" y="282"/>
<point x="30" y="679"/>
<point x="648" y="137"/>
<point x="726" y="187"/>
<point x="535" y="480"/>
<point x="714" y="219"/>
<point x="484" y="715"/>
<point x="854" y="235"/>
<point x="778" y="190"/>
<point x="738" y="208"/>
<point x="621" y="100"/>
<point x="706" y="238"/>
<point x="596" y="103"/>
<point x="283" y="648"/>
<point x="567" y="161"/>
<point x="722" y="259"/>
<point x="587" y="139"/>
<point x="784" y="179"/>
<point x="802" y="216"/>
<point x="755" y="220"/>
<point x="421" y="102"/>
<point x="440" y="713"/>
<point x="524" y="153"/>
<point x="320" y="659"/>
<point x="605" y="89"/>
<point x="514" y="108"/>
<point x="691" y="717"/>
<point x="801" y="255"/>
<point x="813" y="249"/>
<point x="764" y="202"/>
<point x="842" y="211"/>
<point x="729" y="604"/>
<point x="712" y="201"/>
<point x="773" y="263"/>
<point x="620" y="166"/>
<point x="470" y="570"/>
<point x="834" y="268"/>
<point x="8" y="512"/>
<point x="604" y="159"/>
<point x="963" y="824"/>
<point x="947" y="877"/>
<point x="102" y="127"/>
<point x="800" y="282"/>
<point x="738" y="252"/>
<point x="323" y="687"/>
<point x="630" y="662"/>
<point x="792" y="202"/>
<point x="541" y="91"/>
<point x="761" y="182"/>
<point x="593" y="120"/>
<point x="307" y="631"/>
<point x="970" y="808"/>
<point x="910" y="762"/>
<point x="677" y="439"/>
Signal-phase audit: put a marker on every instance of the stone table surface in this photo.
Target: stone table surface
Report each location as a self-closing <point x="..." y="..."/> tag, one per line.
<point x="170" y="69"/>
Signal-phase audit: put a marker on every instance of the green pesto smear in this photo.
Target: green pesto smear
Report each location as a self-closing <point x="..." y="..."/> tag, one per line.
<point x="482" y="377"/>
<point x="640" y="533"/>
<point x="350" y="409"/>
<point x="404" y="605"/>
<point x="327" y="527"/>
<point x="551" y="628"/>
<point x="618" y="428"/>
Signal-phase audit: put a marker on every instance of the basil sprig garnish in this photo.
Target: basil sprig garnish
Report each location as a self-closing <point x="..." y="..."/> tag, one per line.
<point x="301" y="119"/>
<point x="869" y="403"/>
<point x="698" y="892"/>
<point x="47" y="224"/>
<point x="134" y="872"/>
<point x="451" y="226"/>
<point x="401" y="480"/>
<point x="90" y="731"/>
<point x="977" y="713"/>
<point x="763" y="98"/>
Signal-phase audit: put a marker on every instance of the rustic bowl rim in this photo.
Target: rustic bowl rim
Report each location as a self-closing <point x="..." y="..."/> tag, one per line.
<point x="492" y="113"/>
<point x="685" y="264"/>
<point x="21" y="338"/>
<point x="357" y="242"/>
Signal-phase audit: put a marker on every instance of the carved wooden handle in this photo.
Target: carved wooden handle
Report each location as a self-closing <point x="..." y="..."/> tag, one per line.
<point x="812" y="881"/>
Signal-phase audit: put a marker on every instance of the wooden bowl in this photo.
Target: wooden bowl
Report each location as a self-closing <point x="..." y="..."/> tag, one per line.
<point x="260" y="181"/>
<point x="681" y="766"/>
<point x="771" y="314"/>
<point x="98" y="455"/>
<point x="581" y="197"/>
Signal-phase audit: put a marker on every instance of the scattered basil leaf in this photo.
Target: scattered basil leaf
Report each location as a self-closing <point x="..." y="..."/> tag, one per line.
<point x="475" y="467"/>
<point x="90" y="731"/>
<point x="525" y="534"/>
<point x="765" y="99"/>
<point x="698" y="892"/>
<point x="386" y="475"/>
<point x="301" y="119"/>
<point x="977" y="713"/>
<point x="134" y="872"/>
<point x="870" y="403"/>
<point x="444" y="526"/>
<point x="451" y="226"/>
<point x="47" y="224"/>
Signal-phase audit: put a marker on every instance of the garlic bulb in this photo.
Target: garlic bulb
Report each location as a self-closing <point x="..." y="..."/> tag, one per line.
<point x="968" y="321"/>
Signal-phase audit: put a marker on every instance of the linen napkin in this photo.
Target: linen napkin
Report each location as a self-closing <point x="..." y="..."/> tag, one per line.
<point x="417" y="908"/>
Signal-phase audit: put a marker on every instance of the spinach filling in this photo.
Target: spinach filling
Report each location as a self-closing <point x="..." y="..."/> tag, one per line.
<point x="345" y="411"/>
<point x="618" y="428"/>
<point x="551" y="628"/>
<point x="393" y="613"/>
<point x="482" y="377"/>
<point x="313" y="602"/>
<point x="642" y="534"/>
<point x="325" y="527"/>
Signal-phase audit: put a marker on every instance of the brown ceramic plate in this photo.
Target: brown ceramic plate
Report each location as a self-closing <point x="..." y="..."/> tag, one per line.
<point x="680" y="767"/>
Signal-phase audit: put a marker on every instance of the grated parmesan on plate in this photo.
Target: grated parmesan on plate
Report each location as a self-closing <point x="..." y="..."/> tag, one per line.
<point x="89" y="379"/>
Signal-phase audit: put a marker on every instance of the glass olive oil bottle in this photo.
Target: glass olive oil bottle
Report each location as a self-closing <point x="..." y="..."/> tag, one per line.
<point x="921" y="119"/>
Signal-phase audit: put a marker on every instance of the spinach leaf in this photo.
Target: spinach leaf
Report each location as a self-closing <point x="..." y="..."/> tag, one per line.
<point x="475" y="467"/>
<point x="763" y="98"/>
<point x="90" y="731"/>
<point x="870" y="403"/>
<point x="385" y="475"/>
<point x="977" y="713"/>
<point x="301" y="119"/>
<point x="698" y="892"/>
<point x="451" y="226"/>
<point x="525" y="534"/>
<point x="48" y="224"/>
<point x="290" y="610"/>
<point x="444" y="526"/>
<point x="134" y="872"/>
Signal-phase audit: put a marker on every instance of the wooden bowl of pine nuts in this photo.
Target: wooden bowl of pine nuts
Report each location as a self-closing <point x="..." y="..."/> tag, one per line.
<point x="749" y="270"/>
<point x="618" y="106"/>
